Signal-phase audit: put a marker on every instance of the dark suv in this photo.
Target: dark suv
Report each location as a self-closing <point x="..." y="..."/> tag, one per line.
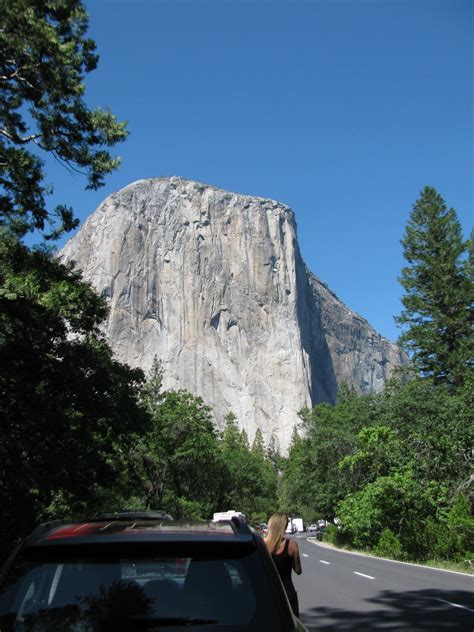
<point x="139" y="571"/>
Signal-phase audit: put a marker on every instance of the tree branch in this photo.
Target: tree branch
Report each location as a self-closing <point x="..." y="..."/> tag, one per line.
<point x="15" y="138"/>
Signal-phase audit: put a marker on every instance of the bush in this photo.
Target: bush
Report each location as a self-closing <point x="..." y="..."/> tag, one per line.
<point x="330" y="533"/>
<point x="389" y="546"/>
<point x="334" y="535"/>
<point x="455" y="534"/>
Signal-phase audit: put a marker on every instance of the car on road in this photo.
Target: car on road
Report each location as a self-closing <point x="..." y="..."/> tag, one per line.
<point x="143" y="571"/>
<point x="313" y="527"/>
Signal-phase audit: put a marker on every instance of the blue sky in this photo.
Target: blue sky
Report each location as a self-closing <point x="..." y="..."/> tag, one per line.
<point x="344" y="110"/>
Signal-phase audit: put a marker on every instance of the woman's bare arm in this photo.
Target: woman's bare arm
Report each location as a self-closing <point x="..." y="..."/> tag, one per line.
<point x="295" y="554"/>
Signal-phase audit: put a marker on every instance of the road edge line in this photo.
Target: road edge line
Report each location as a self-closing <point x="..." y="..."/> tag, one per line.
<point x="386" y="559"/>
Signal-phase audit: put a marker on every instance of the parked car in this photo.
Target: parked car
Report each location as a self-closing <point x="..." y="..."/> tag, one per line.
<point x="143" y="571"/>
<point x="313" y="527"/>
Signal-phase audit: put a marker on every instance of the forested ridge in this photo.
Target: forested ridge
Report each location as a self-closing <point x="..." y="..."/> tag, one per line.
<point x="82" y="433"/>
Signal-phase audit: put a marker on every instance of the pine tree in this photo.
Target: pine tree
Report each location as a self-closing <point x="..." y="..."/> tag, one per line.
<point x="44" y="57"/>
<point x="258" y="444"/>
<point x="438" y="291"/>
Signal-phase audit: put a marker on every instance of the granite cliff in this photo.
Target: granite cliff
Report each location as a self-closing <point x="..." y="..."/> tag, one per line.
<point x="213" y="283"/>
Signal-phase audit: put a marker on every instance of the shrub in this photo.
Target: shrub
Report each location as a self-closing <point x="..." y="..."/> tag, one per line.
<point x="330" y="534"/>
<point x="389" y="546"/>
<point x="455" y="535"/>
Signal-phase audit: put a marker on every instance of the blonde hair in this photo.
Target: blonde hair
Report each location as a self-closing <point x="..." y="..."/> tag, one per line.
<point x="276" y="530"/>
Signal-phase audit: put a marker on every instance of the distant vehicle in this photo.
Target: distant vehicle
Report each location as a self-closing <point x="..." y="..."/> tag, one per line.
<point x="298" y="524"/>
<point x="140" y="571"/>
<point x="227" y="515"/>
<point x="318" y="528"/>
<point x="291" y="528"/>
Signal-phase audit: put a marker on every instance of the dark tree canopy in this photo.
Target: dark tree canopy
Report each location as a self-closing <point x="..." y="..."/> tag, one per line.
<point x="44" y="57"/>
<point x="65" y="403"/>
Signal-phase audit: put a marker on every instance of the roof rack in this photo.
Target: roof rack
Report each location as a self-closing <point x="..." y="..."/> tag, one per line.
<point x="240" y="525"/>
<point x="132" y="515"/>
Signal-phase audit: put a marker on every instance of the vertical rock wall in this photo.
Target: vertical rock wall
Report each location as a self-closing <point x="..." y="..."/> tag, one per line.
<point x="213" y="284"/>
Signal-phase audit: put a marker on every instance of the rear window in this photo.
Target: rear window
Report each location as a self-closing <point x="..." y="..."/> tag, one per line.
<point x="136" y="591"/>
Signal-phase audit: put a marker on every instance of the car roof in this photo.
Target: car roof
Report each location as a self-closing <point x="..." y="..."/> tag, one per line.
<point x="115" y="528"/>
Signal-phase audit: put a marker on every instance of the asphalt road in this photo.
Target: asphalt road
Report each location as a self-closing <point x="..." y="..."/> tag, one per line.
<point x="348" y="592"/>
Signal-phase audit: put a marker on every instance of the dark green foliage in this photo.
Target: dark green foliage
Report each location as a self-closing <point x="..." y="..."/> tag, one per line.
<point x="251" y="475"/>
<point x="454" y="538"/>
<point x="379" y="453"/>
<point x="66" y="405"/>
<point x="44" y="57"/>
<point x="297" y="489"/>
<point x="189" y="441"/>
<point x="439" y="291"/>
<point x="331" y="534"/>
<point x="67" y="408"/>
<point x="435" y="426"/>
<point x="394" y="461"/>
<point x="388" y="545"/>
<point x="182" y="464"/>
<point x="273" y="452"/>
<point x="398" y="502"/>
<point x="313" y="482"/>
<point x="177" y="465"/>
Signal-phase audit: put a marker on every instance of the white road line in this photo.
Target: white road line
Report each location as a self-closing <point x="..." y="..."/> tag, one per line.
<point x="304" y="555"/>
<point x="455" y="605"/>
<point x="362" y="575"/>
<point x="324" y="562"/>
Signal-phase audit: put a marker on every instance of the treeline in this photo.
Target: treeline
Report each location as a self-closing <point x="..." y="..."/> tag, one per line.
<point x="395" y="468"/>
<point x="185" y="465"/>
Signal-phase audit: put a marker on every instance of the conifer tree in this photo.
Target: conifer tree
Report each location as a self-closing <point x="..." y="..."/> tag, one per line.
<point x="438" y="295"/>
<point x="258" y="444"/>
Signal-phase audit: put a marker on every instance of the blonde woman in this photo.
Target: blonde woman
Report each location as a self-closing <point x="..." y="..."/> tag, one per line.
<point x="285" y="554"/>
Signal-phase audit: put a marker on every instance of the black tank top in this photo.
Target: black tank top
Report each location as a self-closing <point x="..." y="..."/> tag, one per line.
<point x="284" y="563"/>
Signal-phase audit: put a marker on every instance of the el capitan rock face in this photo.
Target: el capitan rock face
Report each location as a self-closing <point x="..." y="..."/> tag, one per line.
<point x="213" y="284"/>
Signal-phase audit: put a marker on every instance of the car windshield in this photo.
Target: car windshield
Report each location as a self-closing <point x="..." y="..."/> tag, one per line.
<point x="136" y="592"/>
